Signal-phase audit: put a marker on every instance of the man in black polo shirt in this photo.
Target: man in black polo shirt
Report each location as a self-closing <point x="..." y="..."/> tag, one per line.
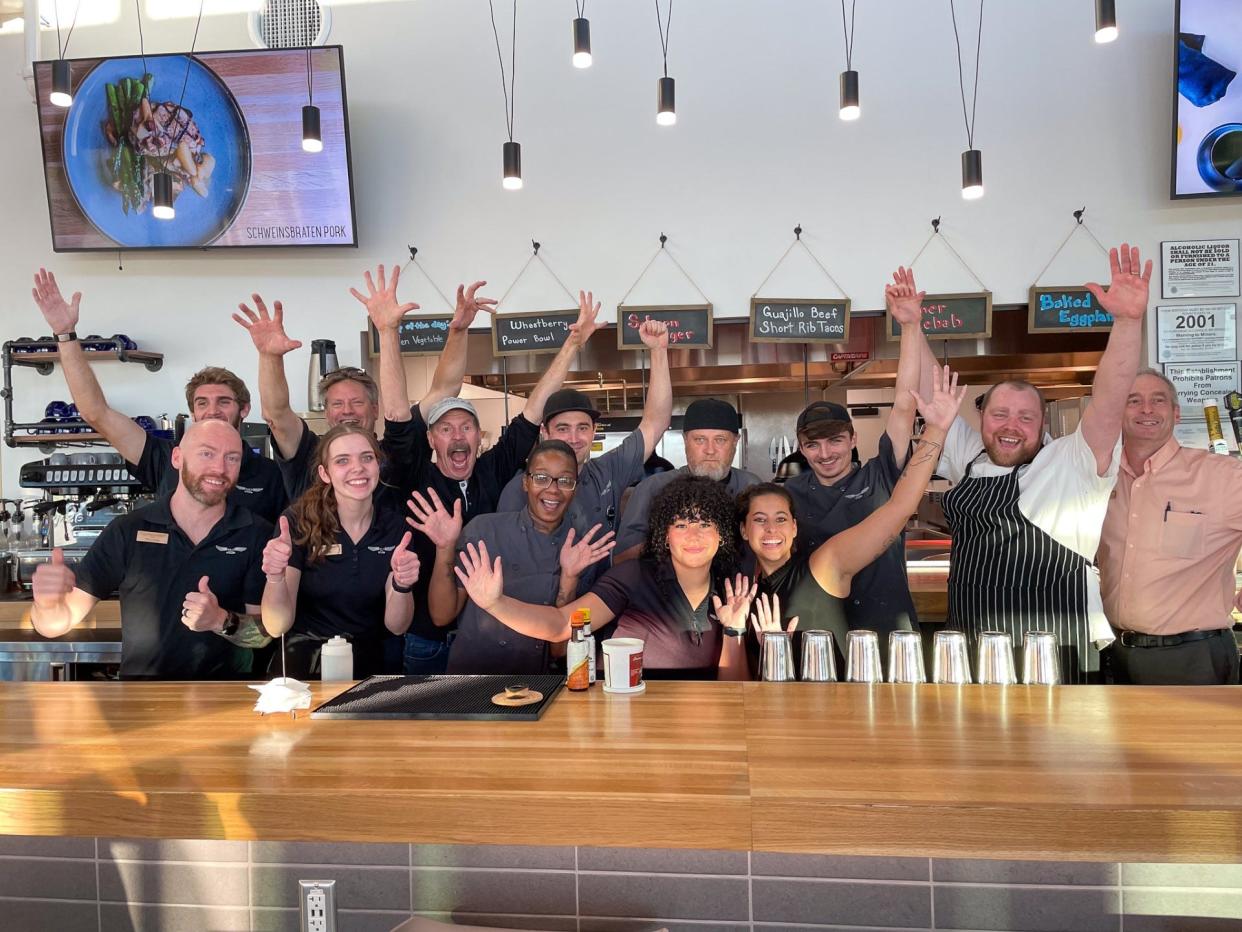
<point x="188" y="570"/>
<point x="212" y="394"/>
<point x="463" y="479"/>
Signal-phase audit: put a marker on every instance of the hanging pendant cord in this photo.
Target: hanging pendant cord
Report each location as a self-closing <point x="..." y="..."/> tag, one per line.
<point x="186" y="80"/>
<point x="142" y="46"/>
<point x="581" y="7"/>
<point x="663" y="25"/>
<point x="849" y="35"/>
<point x="509" y="89"/>
<point x="310" y="90"/>
<point x="969" y="120"/>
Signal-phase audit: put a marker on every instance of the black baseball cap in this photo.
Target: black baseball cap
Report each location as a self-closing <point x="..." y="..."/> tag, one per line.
<point x="711" y="414"/>
<point x="822" y="411"/>
<point x="568" y="399"/>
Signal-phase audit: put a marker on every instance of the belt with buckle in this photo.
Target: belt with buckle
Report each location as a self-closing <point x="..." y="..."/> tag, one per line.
<point x="1135" y="639"/>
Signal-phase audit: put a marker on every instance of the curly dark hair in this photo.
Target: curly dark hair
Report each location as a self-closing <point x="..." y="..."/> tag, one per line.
<point x="697" y="499"/>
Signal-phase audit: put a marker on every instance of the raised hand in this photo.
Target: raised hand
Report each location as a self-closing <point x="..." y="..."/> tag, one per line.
<point x="654" y="333"/>
<point x="941" y="408"/>
<point x="767" y="616"/>
<point x="588" y="309"/>
<point x="201" y="611"/>
<point x="381" y="299"/>
<point x="431" y="518"/>
<point x="404" y="563"/>
<point x="903" y="299"/>
<point x="732" y="612"/>
<point x="576" y="557"/>
<point x="266" y="332"/>
<point x="277" y="552"/>
<point x="469" y="303"/>
<point x="52" y="581"/>
<point x="61" y="315"/>
<point x="1127" y="294"/>
<point x="482" y="579"/>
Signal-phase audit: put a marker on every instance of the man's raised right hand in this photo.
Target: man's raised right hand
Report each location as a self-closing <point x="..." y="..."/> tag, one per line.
<point x="61" y="315"/>
<point x="266" y="332"/>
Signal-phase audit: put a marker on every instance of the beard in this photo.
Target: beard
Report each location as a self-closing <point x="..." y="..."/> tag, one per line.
<point x="714" y="471"/>
<point x="205" y="495"/>
<point x="1010" y="456"/>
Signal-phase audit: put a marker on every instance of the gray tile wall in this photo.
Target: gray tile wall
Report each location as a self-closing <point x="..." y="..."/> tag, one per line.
<point x="128" y="885"/>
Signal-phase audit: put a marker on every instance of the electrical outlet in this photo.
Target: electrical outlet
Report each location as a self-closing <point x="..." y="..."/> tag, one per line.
<point x="318" y="902"/>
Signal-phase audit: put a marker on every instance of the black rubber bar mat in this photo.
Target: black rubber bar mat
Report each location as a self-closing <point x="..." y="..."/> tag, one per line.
<point x="439" y="697"/>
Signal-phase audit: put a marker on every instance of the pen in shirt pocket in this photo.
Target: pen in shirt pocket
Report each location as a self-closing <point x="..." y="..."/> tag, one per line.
<point x="1169" y="507"/>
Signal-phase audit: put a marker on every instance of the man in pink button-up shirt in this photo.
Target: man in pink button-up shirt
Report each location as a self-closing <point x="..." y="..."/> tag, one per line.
<point x="1168" y="549"/>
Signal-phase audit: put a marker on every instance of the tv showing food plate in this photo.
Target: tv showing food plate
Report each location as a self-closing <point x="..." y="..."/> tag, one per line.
<point x="1207" y="115"/>
<point x="225" y="126"/>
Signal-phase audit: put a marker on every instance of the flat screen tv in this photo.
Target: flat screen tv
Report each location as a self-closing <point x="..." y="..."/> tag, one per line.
<point x="1207" y="112"/>
<point x="232" y="143"/>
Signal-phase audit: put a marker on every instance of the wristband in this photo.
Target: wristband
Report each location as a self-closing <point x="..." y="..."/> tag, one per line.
<point x="734" y="632"/>
<point x="68" y="336"/>
<point x="231" y="624"/>
<point x="404" y="590"/>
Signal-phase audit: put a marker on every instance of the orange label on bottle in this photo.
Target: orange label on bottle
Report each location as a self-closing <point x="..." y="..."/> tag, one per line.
<point x="579" y="675"/>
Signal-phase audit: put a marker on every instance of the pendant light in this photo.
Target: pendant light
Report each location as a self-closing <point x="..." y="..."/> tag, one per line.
<point x="850" y="109"/>
<point x="972" y="158"/>
<point x="582" y="37"/>
<point x="162" y="190"/>
<point x="62" y="72"/>
<point x="312" y="139"/>
<point x="162" y="181"/>
<point x="666" y="111"/>
<point x="1105" y="21"/>
<point x="511" y="180"/>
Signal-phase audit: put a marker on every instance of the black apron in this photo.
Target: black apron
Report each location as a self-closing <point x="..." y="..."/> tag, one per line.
<point x="1005" y="574"/>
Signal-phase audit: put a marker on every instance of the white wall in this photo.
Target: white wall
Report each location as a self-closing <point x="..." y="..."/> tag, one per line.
<point x="757" y="149"/>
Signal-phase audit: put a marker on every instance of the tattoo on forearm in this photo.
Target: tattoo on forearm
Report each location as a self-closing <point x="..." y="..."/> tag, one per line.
<point x="249" y="633"/>
<point x="924" y="450"/>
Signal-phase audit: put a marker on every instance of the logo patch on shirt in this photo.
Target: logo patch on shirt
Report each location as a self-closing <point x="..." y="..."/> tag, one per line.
<point x="152" y="537"/>
<point x="389" y="549"/>
<point x="231" y="551"/>
<point x="855" y="496"/>
<point x="248" y="490"/>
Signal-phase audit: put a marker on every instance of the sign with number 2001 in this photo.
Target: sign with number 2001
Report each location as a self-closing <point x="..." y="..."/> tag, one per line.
<point x="1197" y="333"/>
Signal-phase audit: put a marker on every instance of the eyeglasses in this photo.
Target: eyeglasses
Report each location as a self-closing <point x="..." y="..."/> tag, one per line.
<point x="542" y="481"/>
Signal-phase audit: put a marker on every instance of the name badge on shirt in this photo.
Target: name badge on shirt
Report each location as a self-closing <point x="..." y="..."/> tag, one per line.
<point x="152" y="537"/>
<point x="332" y="550"/>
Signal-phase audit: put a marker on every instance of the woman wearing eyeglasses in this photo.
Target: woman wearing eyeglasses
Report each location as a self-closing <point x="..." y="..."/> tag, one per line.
<point x="547" y="561"/>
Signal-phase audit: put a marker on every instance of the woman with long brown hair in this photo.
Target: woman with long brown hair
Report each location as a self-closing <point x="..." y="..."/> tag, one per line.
<point x="339" y="564"/>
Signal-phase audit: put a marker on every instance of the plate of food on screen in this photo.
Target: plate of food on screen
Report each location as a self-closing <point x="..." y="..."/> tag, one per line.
<point x="132" y="119"/>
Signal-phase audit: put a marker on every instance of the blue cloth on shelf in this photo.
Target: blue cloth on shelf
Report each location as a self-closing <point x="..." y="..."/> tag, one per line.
<point x="1200" y="80"/>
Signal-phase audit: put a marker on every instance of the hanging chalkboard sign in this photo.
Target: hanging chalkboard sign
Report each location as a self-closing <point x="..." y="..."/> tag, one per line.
<point x="420" y="336"/>
<point x="799" y="320"/>
<point x="1066" y="310"/>
<point x="531" y="332"/>
<point x="689" y="325"/>
<point x="962" y="316"/>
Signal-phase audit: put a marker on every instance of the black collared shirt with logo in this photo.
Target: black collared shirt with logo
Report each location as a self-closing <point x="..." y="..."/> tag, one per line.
<point x="148" y="560"/>
<point x="259" y="488"/>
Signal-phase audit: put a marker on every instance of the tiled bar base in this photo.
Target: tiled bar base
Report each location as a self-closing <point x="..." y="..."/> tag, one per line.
<point x="110" y="885"/>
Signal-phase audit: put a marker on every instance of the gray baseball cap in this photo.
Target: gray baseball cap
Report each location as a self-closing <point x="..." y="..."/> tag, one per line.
<point x="445" y="405"/>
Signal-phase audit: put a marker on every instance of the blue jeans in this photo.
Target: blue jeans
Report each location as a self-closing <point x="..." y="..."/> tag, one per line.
<point x="424" y="656"/>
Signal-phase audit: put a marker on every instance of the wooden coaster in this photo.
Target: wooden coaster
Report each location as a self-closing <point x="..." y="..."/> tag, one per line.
<point x="528" y="697"/>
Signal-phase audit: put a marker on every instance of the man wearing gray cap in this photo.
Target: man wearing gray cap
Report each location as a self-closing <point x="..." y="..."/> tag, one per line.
<point x="602" y="480"/>
<point x="710" y="427"/>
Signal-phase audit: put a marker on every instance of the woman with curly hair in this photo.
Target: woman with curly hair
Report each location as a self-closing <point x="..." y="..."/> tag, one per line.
<point x="339" y="564"/>
<point x="680" y="597"/>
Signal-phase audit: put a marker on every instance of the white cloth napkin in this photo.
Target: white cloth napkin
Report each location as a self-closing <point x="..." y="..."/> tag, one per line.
<point x="282" y="694"/>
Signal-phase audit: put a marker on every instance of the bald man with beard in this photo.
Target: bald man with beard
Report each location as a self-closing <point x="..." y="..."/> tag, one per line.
<point x="188" y="570"/>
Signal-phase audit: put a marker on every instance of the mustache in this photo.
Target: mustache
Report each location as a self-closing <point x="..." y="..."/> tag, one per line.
<point x="458" y="448"/>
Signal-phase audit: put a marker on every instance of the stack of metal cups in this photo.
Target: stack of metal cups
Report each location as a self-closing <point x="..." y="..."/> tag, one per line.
<point x="905" y="657"/>
<point x="995" y="661"/>
<point x="819" y="660"/>
<point x="862" y="657"/>
<point x="1040" y="661"/>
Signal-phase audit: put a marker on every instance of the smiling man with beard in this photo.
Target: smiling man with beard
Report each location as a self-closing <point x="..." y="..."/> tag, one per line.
<point x="1026" y="514"/>
<point x="188" y="569"/>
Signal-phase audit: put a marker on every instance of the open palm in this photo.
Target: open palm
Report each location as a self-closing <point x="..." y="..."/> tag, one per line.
<point x="267" y="331"/>
<point x="381" y="299"/>
<point x="1127" y="294"/>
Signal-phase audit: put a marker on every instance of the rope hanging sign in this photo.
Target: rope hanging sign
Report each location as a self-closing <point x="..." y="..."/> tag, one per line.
<point x="962" y="315"/>
<point x="1068" y="308"/>
<point x="532" y="332"/>
<point x="424" y="334"/>
<point x="799" y="320"/>
<point x="690" y="326"/>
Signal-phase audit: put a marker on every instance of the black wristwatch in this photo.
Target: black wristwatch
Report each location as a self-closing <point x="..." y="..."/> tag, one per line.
<point x="231" y="624"/>
<point x="67" y="337"/>
<point x="734" y="632"/>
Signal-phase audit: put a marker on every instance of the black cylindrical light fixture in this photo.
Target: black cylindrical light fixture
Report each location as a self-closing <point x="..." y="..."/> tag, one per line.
<point x="513" y="166"/>
<point x="582" y="43"/>
<point x="972" y="174"/>
<point x="850" y="110"/>
<point x="666" y="115"/>
<point x="312" y="141"/>
<point x="62" y="84"/>
<point x="162" y="189"/>
<point x="1105" y="21"/>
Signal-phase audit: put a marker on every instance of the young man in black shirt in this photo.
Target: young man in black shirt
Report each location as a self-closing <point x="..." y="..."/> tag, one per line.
<point x="188" y="569"/>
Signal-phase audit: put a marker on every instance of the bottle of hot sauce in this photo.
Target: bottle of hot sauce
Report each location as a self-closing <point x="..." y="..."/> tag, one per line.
<point x="577" y="655"/>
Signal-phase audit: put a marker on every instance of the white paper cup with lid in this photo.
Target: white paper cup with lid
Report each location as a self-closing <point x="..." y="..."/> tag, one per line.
<point x="623" y="665"/>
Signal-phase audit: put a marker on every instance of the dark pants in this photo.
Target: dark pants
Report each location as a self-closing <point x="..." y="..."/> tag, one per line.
<point x="1211" y="661"/>
<point x="425" y="656"/>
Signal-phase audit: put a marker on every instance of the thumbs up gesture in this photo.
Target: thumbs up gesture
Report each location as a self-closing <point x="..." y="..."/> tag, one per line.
<point x="200" y="611"/>
<point x="52" y="581"/>
<point x="404" y="564"/>
<point x="277" y="553"/>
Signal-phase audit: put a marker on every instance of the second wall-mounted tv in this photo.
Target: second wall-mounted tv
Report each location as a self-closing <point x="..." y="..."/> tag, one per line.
<point x="1207" y="113"/>
<point x="227" y="126"/>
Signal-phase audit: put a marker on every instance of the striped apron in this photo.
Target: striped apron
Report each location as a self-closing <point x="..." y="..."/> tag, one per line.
<point x="1005" y="574"/>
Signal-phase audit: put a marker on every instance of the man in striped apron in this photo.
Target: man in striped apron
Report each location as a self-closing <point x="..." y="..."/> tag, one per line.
<point x="1026" y="511"/>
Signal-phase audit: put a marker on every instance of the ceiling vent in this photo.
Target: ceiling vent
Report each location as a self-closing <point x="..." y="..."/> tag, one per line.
<point x="290" y="24"/>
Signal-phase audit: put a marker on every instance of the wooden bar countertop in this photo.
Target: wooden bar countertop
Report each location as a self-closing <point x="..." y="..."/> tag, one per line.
<point x="1072" y="773"/>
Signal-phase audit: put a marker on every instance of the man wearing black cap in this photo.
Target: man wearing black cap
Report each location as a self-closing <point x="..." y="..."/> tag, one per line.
<point x="602" y="480"/>
<point x="710" y="428"/>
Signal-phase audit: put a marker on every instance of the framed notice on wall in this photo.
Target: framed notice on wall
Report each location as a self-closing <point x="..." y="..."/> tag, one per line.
<point x="1200" y="382"/>
<point x="1197" y="332"/>
<point x="1199" y="268"/>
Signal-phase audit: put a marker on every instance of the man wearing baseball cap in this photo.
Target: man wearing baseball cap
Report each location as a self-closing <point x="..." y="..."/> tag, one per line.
<point x="710" y="427"/>
<point x="602" y="480"/>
